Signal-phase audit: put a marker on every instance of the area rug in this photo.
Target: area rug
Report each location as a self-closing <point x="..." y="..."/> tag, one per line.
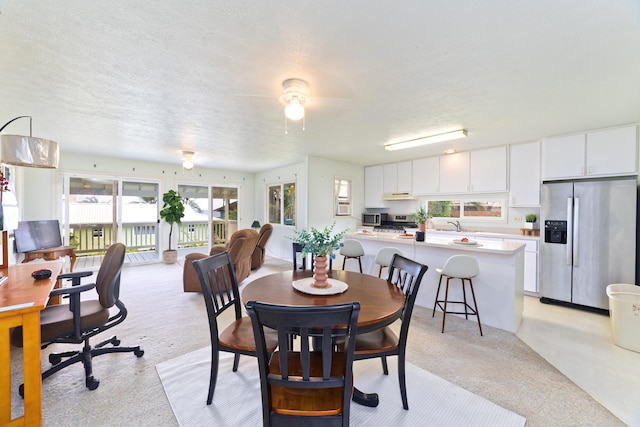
<point x="236" y="401"/>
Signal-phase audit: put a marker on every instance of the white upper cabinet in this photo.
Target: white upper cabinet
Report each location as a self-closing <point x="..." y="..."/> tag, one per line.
<point x="524" y="174"/>
<point x="373" y="186"/>
<point x="454" y="173"/>
<point x="488" y="170"/>
<point x="397" y="177"/>
<point x="612" y="151"/>
<point x="390" y="181"/>
<point x="606" y="152"/>
<point x="426" y="176"/>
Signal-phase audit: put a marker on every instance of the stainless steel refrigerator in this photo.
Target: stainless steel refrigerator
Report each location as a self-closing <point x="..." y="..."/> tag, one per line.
<point x="589" y="240"/>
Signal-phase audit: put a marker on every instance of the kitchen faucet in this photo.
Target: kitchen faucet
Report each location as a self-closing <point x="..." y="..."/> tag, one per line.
<point x="457" y="224"/>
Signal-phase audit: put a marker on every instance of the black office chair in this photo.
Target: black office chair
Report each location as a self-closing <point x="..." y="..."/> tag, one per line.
<point x="220" y="291"/>
<point x="305" y="387"/>
<point x="78" y="321"/>
<point x="407" y="275"/>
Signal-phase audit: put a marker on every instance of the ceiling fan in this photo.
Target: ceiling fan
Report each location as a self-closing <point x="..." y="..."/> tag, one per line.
<point x="295" y="98"/>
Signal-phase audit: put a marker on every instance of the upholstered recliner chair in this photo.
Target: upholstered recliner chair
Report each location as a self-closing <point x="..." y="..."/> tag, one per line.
<point x="257" y="259"/>
<point x="240" y="246"/>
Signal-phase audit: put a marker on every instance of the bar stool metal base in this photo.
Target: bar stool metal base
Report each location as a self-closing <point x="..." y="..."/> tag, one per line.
<point x="468" y="310"/>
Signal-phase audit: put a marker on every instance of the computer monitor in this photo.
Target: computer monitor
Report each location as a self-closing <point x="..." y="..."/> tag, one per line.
<point x="36" y="235"/>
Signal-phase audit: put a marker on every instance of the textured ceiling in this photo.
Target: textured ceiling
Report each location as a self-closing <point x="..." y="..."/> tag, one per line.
<point x="152" y="78"/>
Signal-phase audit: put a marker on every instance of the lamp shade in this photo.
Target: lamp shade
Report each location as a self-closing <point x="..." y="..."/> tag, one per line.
<point x="28" y="151"/>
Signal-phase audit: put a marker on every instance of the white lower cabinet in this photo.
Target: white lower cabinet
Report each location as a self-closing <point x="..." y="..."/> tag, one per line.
<point x="530" y="265"/>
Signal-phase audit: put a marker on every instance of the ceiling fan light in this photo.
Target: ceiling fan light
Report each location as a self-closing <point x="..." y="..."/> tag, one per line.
<point x="187" y="160"/>
<point x="294" y="110"/>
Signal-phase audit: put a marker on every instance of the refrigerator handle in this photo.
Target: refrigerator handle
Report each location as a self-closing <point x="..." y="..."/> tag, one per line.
<point x="576" y="235"/>
<point x="569" y="229"/>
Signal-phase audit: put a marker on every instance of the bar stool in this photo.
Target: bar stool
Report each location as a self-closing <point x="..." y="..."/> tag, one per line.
<point x="352" y="249"/>
<point x="463" y="267"/>
<point x="384" y="258"/>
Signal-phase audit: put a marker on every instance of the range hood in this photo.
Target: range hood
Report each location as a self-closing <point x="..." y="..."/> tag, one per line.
<point x="397" y="196"/>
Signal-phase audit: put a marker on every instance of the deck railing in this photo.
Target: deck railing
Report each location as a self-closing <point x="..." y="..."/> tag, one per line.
<point x="96" y="238"/>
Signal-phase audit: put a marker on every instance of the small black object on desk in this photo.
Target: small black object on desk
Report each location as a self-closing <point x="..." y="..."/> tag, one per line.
<point x="41" y="274"/>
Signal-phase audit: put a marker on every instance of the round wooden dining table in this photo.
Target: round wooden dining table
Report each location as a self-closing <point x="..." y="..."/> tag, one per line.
<point x="380" y="301"/>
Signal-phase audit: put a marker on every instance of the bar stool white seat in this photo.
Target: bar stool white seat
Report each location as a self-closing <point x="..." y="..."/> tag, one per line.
<point x="463" y="267"/>
<point x="352" y="249"/>
<point x="384" y="258"/>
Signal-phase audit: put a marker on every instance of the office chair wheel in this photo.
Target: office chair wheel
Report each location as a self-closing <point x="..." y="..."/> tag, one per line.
<point x="92" y="383"/>
<point x="54" y="359"/>
<point x="21" y="390"/>
<point x="139" y="352"/>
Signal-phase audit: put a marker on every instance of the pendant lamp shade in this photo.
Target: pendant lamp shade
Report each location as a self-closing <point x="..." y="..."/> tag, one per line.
<point x="28" y="151"/>
<point x="20" y="150"/>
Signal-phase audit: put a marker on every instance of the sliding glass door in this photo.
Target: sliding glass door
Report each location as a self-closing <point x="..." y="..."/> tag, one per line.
<point x="99" y="211"/>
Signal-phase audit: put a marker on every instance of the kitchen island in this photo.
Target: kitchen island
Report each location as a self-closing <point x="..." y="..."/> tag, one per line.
<point x="499" y="287"/>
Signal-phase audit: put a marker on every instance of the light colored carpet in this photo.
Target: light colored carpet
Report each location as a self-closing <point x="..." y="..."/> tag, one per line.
<point x="236" y="401"/>
<point x="168" y="323"/>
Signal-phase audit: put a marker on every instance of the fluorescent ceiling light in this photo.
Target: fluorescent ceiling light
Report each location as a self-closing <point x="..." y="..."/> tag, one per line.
<point x="462" y="133"/>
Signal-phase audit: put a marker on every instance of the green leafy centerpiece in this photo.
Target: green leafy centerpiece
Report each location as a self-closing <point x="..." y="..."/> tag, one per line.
<point x="320" y="244"/>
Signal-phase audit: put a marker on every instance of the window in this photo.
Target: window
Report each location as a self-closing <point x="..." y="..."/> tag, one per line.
<point x="342" y="196"/>
<point x="281" y="202"/>
<point x="483" y="209"/>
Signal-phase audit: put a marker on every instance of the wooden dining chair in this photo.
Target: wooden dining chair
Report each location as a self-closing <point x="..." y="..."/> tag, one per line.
<point x="407" y="275"/>
<point x="220" y="290"/>
<point x="313" y="385"/>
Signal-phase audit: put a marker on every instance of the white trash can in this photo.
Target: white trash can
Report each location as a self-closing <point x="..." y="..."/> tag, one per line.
<point x="624" y="310"/>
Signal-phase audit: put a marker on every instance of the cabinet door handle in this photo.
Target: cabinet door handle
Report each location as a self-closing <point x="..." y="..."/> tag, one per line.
<point x="582" y="170"/>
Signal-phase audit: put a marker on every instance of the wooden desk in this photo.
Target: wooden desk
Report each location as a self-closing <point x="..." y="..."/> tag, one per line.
<point x="380" y="302"/>
<point x="21" y="300"/>
<point x="51" y="254"/>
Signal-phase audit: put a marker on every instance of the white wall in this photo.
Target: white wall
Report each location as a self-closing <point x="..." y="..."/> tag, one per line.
<point x="314" y="191"/>
<point x="40" y="190"/>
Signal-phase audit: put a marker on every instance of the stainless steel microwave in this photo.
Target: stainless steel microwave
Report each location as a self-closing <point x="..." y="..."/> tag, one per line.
<point x="371" y="219"/>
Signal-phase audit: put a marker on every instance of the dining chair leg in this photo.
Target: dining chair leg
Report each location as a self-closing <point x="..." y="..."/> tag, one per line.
<point x="236" y="361"/>
<point x="385" y="368"/>
<point x="402" y="380"/>
<point x="360" y="263"/>
<point x="214" y="374"/>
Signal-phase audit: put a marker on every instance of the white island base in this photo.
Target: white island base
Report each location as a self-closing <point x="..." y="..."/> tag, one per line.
<point x="499" y="287"/>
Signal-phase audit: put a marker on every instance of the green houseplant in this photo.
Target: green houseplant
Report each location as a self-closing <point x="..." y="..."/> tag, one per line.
<point x="172" y="212"/>
<point x="421" y="216"/>
<point x="530" y="220"/>
<point x="321" y="245"/>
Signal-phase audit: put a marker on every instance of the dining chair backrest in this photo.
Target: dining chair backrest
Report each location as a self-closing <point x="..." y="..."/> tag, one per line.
<point x="288" y="375"/>
<point x="297" y="249"/>
<point x="407" y="275"/>
<point x="219" y="287"/>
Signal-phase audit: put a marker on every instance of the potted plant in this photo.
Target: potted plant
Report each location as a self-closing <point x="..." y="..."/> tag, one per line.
<point x="172" y="212"/>
<point x="530" y="221"/>
<point x="321" y="245"/>
<point x="421" y="216"/>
